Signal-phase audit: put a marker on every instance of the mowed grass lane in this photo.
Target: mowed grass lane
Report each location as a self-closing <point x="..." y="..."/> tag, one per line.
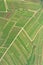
<point x="12" y="35"/>
<point x="2" y="23"/>
<point x="21" y="50"/>
<point x="18" y="54"/>
<point x="5" y="31"/>
<point x="24" y="17"/>
<point x="7" y="42"/>
<point x="34" y="25"/>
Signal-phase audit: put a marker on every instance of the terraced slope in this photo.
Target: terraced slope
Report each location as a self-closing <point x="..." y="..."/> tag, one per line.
<point x="21" y="34"/>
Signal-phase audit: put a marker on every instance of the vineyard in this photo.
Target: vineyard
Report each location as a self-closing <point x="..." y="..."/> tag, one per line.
<point x="21" y="33"/>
